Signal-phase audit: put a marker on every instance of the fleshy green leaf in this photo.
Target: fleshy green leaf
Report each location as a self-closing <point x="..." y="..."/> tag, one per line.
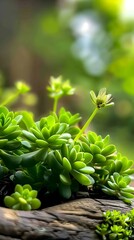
<point x="81" y="178"/>
<point x="66" y="164"/>
<point x="65" y="179"/>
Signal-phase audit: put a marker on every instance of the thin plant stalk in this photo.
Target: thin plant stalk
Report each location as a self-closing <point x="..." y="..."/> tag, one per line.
<point x="86" y="124"/>
<point x="9" y="99"/>
<point x="55" y="104"/>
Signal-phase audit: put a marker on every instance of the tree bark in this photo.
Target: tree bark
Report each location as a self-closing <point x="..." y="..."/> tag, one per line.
<point x="75" y="220"/>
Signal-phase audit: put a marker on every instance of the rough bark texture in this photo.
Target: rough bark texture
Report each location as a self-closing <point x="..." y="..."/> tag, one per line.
<point x="74" y="220"/>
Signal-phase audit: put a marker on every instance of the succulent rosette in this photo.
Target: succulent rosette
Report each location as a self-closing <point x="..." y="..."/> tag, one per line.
<point x="23" y="198"/>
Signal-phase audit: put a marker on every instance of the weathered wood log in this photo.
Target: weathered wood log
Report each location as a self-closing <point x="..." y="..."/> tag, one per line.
<point x="74" y="220"/>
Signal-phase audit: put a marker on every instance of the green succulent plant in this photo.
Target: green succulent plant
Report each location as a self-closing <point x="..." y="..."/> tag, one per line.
<point x="116" y="225"/>
<point x="9" y="128"/>
<point x="9" y="137"/>
<point x="118" y="186"/>
<point x="23" y="198"/>
<point x="69" y="165"/>
<point x="112" y="171"/>
<point x="52" y="131"/>
<point x="55" y="154"/>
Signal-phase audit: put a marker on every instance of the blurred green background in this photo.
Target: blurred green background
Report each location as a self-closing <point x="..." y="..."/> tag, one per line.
<point x="90" y="42"/>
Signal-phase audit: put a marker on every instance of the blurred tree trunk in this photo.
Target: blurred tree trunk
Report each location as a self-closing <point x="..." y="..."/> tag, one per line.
<point x="16" y="61"/>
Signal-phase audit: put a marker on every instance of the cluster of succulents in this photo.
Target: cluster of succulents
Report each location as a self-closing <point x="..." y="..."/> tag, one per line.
<point x="9" y="136"/>
<point x="118" y="186"/>
<point x="55" y="154"/>
<point x="69" y="167"/>
<point x="112" y="170"/>
<point x="116" y="225"/>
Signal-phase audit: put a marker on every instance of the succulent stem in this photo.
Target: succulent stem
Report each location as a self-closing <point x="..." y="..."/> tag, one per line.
<point x="86" y="124"/>
<point x="10" y="99"/>
<point x="55" y="104"/>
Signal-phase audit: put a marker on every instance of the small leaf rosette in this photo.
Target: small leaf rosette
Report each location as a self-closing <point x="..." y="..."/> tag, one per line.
<point x="24" y="198"/>
<point x="99" y="147"/>
<point x="103" y="155"/>
<point x="118" y="186"/>
<point x="9" y="129"/>
<point x="52" y="131"/>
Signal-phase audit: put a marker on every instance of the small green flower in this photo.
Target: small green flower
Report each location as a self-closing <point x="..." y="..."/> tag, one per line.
<point x="59" y="88"/>
<point x="22" y="87"/>
<point x="102" y="99"/>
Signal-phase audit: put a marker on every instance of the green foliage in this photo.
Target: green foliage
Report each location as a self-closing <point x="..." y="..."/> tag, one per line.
<point x="52" y="131"/>
<point x="116" y="225"/>
<point x="24" y="198"/>
<point x="112" y="171"/>
<point x="70" y="165"/>
<point x="9" y="129"/>
<point x="55" y="154"/>
<point x="118" y="186"/>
